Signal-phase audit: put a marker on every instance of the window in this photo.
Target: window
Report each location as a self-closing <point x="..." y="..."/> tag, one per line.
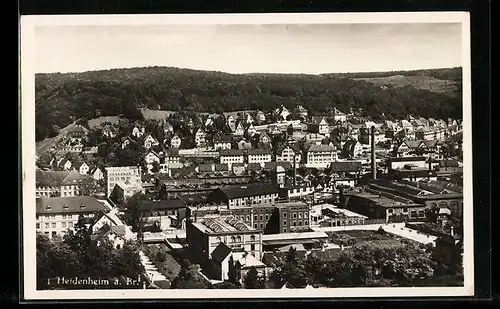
<point x="405" y="209"/>
<point x="300" y="222"/>
<point x="284" y="230"/>
<point x="267" y="217"/>
<point x="252" y="238"/>
<point x="300" y="215"/>
<point x="53" y="225"/>
<point x="295" y="215"/>
<point x="389" y="211"/>
<point x="47" y="225"/>
<point x="63" y="225"/>
<point x="38" y="225"/>
<point x="248" y="218"/>
<point x="306" y="223"/>
<point x="294" y="223"/>
<point x="70" y="224"/>
<point x="261" y="217"/>
<point x="64" y="216"/>
<point x="255" y="225"/>
<point x="46" y="233"/>
<point x="238" y="238"/>
<point x="255" y="218"/>
<point x="54" y="234"/>
<point x="284" y="222"/>
<point x="284" y="215"/>
<point x="252" y="247"/>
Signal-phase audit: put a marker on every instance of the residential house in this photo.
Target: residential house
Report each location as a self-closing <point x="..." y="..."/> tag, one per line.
<point x="83" y="168"/>
<point x="231" y="123"/>
<point x="282" y="113"/>
<point x="126" y="141"/>
<point x="97" y="173"/>
<point x="138" y="131"/>
<point x="199" y="137"/>
<point x="302" y="111"/>
<point x="425" y="133"/>
<point x="115" y="234"/>
<point x="167" y="128"/>
<point x="150" y="141"/>
<point x="274" y="129"/>
<point x="251" y="130"/>
<point x="109" y="131"/>
<point x="209" y="122"/>
<point x="150" y="158"/>
<point x="248" y="118"/>
<point x="261" y="117"/>
<point x="57" y="215"/>
<point x="264" y="138"/>
<point x="339" y="116"/>
<point x="353" y="148"/>
<point x="408" y="147"/>
<point x="287" y="153"/>
<point x="259" y="155"/>
<point x="244" y="144"/>
<point x="65" y="164"/>
<point x="78" y="133"/>
<point x="319" y="125"/>
<point x="175" y="142"/>
<point x="58" y="183"/>
<point x="320" y="156"/>
<point x="222" y="142"/>
<point x="407" y="129"/>
<point x="231" y="156"/>
<point x="240" y="129"/>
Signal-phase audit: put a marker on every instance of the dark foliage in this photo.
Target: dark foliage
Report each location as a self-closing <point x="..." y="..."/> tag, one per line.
<point x="64" y="98"/>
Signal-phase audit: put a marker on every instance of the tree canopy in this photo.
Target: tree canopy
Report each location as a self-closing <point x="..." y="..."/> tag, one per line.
<point x="64" y="98"/>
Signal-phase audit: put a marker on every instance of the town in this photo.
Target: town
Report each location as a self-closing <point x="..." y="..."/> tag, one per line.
<point x="283" y="198"/>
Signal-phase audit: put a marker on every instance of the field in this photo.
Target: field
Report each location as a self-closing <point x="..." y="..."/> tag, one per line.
<point x="420" y="82"/>
<point x="48" y="143"/>
<point x="96" y="122"/>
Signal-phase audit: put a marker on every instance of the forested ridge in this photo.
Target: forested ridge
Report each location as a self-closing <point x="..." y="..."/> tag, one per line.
<point x="62" y="98"/>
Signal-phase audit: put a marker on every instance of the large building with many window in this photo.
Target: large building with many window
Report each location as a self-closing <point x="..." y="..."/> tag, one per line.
<point x="58" y="183"/>
<point x="56" y="215"/>
<point x="205" y="234"/>
<point x="320" y="156"/>
<point x="126" y="177"/>
<point x="246" y="195"/>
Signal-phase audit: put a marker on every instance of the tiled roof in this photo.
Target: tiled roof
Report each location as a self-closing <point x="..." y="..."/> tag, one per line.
<point x="161" y="204"/>
<point x="345" y="166"/>
<point x="259" y="151"/>
<point x="254" y="167"/>
<point x="221" y="252"/>
<point x="221" y="167"/>
<point x="224" y="139"/>
<point x="273" y="165"/>
<point x="321" y="148"/>
<point x="72" y="204"/>
<point x="57" y="178"/>
<point x="205" y="168"/>
<point x="248" y="190"/>
<point x="231" y="152"/>
<point x="293" y="147"/>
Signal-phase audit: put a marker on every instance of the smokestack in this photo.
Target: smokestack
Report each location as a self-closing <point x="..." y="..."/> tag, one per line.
<point x="294" y="168"/>
<point x="430" y="164"/>
<point x="374" y="163"/>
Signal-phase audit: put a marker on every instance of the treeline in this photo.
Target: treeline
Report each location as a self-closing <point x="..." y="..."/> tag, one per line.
<point x="452" y="74"/>
<point x="62" y="98"/>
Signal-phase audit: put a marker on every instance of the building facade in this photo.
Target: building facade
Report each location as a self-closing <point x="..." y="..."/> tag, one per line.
<point x="125" y="176"/>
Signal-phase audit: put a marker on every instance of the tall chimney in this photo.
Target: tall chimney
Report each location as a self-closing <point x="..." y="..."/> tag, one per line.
<point x="294" y="168"/>
<point x="374" y="163"/>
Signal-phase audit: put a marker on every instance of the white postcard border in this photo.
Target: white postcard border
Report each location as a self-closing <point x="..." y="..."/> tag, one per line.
<point x="28" y="49"/>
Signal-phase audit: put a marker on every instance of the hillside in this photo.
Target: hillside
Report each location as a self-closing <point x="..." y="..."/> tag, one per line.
<point x="419" y="82"/>
<point x="61" y="98"/>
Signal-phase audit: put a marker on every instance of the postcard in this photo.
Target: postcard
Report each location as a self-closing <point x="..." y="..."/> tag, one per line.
<point x="279" y="156"/>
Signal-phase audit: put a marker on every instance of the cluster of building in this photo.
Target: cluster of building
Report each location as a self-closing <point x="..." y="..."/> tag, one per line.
<point x="243" y="195"/>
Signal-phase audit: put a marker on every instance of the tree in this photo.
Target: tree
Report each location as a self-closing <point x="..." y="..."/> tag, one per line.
<point x="189" y="278"/>
<point x="88" y="186"/>
<point x="252" y="279"/>
<point x="133" y="212"/>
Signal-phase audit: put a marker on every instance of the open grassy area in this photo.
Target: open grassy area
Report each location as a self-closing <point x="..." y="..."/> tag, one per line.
<point x="360" y="235"/>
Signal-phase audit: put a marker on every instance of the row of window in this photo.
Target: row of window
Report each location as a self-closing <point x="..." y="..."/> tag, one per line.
<point x="294" y="215"/>
<point x="297" y="223"/>
<point x="54" y="225"/>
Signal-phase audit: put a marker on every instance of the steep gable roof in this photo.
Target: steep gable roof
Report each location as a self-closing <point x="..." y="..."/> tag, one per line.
<point x="221" y="252"/>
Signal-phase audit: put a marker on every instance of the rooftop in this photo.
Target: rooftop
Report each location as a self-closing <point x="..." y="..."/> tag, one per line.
<point x="383" y="200"/>
<point x="223" y="224"/>
<point x="321" y="148"/>
<point x="231" y="152"/>
<point x="248" y="190"/>
<point x="161" y="204"/>
<point x="72" y="204"/>
<point x="57" y="178"/>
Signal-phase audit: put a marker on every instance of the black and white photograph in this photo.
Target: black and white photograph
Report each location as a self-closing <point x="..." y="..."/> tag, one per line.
<point x="274" y="155"/>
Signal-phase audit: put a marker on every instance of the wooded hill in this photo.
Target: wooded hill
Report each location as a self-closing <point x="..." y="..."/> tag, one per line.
<point x="62" y="98"/>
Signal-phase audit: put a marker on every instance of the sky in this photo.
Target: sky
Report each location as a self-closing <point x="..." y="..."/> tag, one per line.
<point x="281" y="48"/>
